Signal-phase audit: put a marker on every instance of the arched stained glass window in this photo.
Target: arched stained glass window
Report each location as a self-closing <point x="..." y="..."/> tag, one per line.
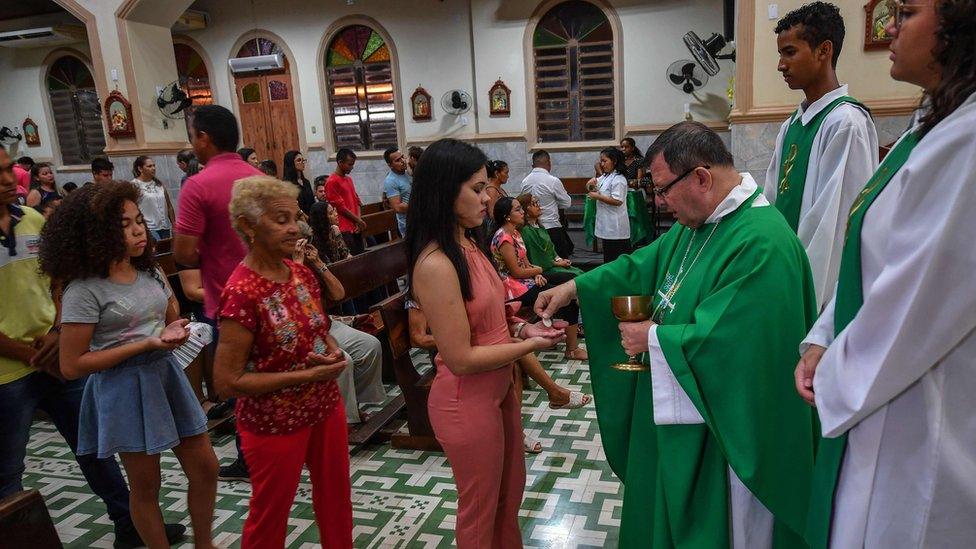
<point x="359" y="71"/>
<point x="193" y="79"/>
<point x="573" y="49"/>
<point x="76" y="111"/>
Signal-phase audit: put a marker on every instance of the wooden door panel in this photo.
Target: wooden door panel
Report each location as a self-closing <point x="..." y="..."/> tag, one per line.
<point x="284" y="123"/>
<point x="252" y="100"/>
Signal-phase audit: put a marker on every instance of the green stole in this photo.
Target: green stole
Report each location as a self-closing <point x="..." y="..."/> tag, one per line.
<point x="641" y="224"/>
<point x="795" y="159"/>
<point x="541" y="251"/>
<point x="849" y="298"/>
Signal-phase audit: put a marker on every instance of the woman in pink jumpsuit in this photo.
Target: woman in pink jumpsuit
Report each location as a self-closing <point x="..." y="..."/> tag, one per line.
<point x="473" y="405"/>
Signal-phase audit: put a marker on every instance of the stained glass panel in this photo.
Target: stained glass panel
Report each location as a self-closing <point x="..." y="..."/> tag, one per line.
<point x="69" y="73"/>
<point x="574" y="19"/>
<point x="251" y="93"/>
<point x="357" y="43"/>
<point x="277" y="90"/>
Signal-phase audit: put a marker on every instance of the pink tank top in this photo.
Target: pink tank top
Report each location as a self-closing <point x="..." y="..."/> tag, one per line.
<point x="486" y="309"/>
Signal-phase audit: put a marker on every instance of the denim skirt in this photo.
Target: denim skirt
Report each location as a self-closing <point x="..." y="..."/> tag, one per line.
<point x="145" y="404"/>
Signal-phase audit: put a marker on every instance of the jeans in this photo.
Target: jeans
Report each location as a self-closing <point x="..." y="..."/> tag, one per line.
<point x="161" y="234"/>
<point x="19" y="400"/>
<point x="212" y="348"/>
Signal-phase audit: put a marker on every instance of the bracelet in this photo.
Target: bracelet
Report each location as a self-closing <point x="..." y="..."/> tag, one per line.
<point x="518" y="329"/>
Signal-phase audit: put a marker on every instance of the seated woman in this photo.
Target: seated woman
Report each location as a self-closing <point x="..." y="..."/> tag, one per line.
<point x="538" y="246"/>
<point x="363" y="383"/>
<point x="527" y="279"/>
<point x="276" y="355"/>
<point x="559" y="396"/>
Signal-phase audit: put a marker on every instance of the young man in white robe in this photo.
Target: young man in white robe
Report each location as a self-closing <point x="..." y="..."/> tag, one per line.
<point x="891" y="363"/>
<point x="825" y="151"/>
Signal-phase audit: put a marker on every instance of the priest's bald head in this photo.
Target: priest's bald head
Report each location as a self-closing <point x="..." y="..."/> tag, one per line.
<point x="691" y="171"/>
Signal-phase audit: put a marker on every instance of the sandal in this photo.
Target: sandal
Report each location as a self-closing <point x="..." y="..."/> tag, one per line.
<point x="531" y="445"/>
<point x="578" y="353"/>
<point x="576" y="400"/>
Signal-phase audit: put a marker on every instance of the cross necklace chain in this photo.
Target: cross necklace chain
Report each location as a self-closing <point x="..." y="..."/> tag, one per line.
<point x="669" y="290"/>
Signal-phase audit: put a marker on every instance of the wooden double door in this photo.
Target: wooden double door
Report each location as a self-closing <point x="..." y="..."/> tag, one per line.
<point x="267" y="109"/>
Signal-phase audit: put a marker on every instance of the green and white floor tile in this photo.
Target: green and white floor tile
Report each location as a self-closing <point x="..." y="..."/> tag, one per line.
<point x="402" y="499"/>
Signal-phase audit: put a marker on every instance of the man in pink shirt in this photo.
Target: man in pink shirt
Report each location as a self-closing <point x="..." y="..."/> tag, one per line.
<point x="22" y="172"/>
<point x="341" y="193"/>
<point x="204" y="235"/>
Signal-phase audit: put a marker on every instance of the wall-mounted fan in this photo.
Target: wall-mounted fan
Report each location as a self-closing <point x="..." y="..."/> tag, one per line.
<point x="456" y="102"/>
<point x="173" y="101"/>
<point x="8" y="135"/>
<point x="685" y="75"/>
<point x="706" y="51"/>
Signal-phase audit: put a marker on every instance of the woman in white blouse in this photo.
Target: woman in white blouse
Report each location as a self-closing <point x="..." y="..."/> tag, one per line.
<point x="610" y="192"/>
<point x="155" y="205"/>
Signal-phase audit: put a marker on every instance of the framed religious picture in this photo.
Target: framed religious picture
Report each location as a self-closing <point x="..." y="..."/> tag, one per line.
<point x="500" y="99"/>
<point x="31" y="136"/>
<point x="420" y="104"/>
<point x="118" y="114"/>
<point x="877" y="14"/>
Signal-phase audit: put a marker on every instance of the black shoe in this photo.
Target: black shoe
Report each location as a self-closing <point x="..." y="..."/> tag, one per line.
<point x="234" y="471"/>
<point x="219" y="410"/>
<point x="126" y="537"/>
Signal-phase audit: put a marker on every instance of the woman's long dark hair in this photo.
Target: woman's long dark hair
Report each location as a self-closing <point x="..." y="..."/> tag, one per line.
<point x="503" y="207"/>
<point x="633" y="146"/>
<point x="617" y="157"/>
<point x="318" y="220"/>
<point x="245" y="152"/>
<point x="289" y="172"/>
<point x="956" y="53"/>
<point x="138" y="164"/>
<point x="437" y="180"/>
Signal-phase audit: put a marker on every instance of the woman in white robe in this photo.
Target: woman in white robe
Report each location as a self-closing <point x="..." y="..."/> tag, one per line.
<point x="900" y="378"/>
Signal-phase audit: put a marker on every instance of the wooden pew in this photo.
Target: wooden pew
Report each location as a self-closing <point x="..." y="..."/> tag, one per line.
<point x="25" y="522"/>
<point x="371" y="208"/>
<point x="379" y="267"/>
<point x="415" y="387"/>
<point x="382" y="226"/>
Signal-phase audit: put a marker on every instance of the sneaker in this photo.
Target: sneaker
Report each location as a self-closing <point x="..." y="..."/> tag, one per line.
<point x="126" y="536"/>
<point x="234" y="471"/>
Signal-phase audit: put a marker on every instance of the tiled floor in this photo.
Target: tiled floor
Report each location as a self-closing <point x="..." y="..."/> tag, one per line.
<point x="400" y="498"/>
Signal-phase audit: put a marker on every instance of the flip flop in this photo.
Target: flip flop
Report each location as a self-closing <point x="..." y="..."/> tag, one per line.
<point x="576" y="400"/>
<point x="532" y="445"/>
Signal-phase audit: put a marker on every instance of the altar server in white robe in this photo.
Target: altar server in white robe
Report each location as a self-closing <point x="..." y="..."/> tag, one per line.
<point x="894" y="353"/>
<point x="826" y="150"/>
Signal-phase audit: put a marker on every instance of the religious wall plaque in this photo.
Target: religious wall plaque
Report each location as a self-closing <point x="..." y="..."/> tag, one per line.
<point x="877" y="15"/>
<point x="118" y="115"/>
<point x="420" y="105"/>
<point x="31" y="136"/>
<point x="500" y="99"/>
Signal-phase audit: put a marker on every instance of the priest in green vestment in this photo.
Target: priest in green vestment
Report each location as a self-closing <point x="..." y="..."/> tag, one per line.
<point x="712" y="444"/>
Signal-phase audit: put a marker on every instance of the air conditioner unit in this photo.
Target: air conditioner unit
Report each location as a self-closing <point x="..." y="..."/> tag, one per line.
<point x="191" y="20"/>
<point x="42" y="36"/>
<point x="241" y="65"/>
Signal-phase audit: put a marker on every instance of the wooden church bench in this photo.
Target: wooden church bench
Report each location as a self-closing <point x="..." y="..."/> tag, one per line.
<point x="25" y="522"/>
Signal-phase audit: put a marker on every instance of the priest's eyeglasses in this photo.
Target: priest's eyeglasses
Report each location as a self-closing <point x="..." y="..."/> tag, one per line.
<point x="663" y="190"/>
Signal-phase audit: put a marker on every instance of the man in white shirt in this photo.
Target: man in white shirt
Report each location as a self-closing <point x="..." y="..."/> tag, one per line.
<point x="552" y="195"/>
<point x="827" y="150"/>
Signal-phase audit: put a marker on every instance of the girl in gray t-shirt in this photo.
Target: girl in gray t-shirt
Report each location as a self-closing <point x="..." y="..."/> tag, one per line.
<point x="120" y="322"/>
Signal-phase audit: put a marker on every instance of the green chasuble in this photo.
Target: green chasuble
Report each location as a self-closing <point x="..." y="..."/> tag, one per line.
<point x="795" y="159"/>
<point x="731" y="340"/>
<point x="848" y="301"/>
<point x="641" y="224"/>
<point x="541" y="251"/>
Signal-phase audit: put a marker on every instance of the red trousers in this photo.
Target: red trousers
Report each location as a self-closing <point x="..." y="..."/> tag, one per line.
<point x="275" y="463"/>
<point x="477" y="419"/>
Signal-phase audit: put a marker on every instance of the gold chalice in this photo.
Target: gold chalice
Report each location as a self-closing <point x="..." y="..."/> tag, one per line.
<point x="631" y="308"/>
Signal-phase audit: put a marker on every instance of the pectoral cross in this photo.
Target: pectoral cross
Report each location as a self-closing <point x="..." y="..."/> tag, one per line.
<point x="664" y="305"/>
<point x="784" y="183"/>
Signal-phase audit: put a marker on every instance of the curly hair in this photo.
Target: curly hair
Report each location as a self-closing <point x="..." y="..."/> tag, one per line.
<point x="84" y="236"/>
<point x="956" y="54"/>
